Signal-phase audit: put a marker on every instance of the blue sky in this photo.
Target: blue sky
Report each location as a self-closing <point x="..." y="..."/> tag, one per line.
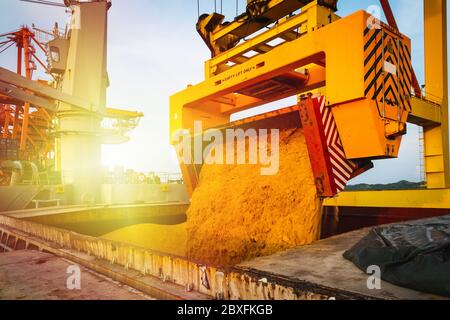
<point x="154" y="51"/>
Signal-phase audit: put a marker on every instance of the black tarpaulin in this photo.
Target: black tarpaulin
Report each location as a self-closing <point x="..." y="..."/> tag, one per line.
<point x="414" y="255"/>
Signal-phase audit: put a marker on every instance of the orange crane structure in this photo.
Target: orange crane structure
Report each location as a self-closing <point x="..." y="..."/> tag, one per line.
<point x="24" y="127"/>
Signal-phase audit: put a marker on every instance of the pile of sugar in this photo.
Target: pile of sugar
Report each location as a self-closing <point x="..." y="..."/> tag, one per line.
<point x="238" y="214"/>
<point x="168" y="239"/>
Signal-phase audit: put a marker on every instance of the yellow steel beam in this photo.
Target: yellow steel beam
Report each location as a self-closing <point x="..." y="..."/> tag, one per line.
<point x="425" y="113"/>
<point x="308" y="20"/>
<point x="276" y="9"/>
<point x="437" y="164"/>
<point x="429" y="199"/>
<point x="315" y="80"/>
<point x="194" y="103"/>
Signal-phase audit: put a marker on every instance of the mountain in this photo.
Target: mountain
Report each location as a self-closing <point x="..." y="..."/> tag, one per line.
<point x="401" y="185"/>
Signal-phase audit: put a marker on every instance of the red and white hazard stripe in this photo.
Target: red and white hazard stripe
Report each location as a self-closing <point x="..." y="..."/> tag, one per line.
<point x="342" y="168"/>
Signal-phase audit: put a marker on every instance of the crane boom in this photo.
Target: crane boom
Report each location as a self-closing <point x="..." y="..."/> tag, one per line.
<point x="45" y="2"/>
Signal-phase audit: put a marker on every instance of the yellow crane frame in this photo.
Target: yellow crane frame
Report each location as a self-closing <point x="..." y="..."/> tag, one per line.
<point x="433" y="119"/>
<point x="232" y="70"/>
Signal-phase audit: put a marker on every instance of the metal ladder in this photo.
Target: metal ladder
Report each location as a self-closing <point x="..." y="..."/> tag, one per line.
<point x="422" y="157"/>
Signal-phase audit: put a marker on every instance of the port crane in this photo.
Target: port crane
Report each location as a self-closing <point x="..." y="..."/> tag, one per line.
<point x="46" y="122"/>
<point x="354" y="81"/>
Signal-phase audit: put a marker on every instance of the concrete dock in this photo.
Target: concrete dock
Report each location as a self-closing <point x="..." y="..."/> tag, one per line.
<point x="33" y="275"/>
<point x="321" y="268"/>
<point x="314" y="272"/>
